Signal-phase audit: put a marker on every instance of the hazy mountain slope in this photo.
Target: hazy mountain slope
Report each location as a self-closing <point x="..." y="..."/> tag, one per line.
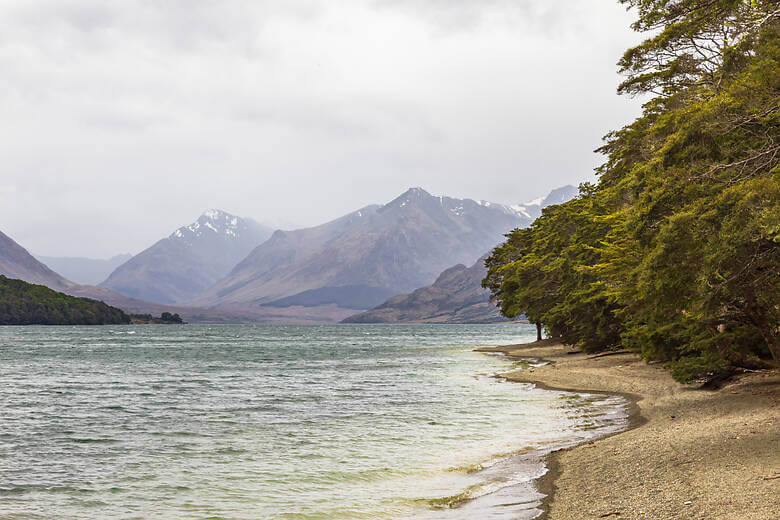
<point x="192" y="258"/>
<point x="88" y="271"/>
<point x="385" y="249"/>
<point x="348" y="296"/>
<point x="455" y="297"/>
<point x="17" y="263"/>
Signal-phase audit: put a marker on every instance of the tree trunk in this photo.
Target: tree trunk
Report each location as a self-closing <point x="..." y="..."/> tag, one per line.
<point x="757" y="315"/>
<point x="774" y="347"/>
<point x="539" y="332"/>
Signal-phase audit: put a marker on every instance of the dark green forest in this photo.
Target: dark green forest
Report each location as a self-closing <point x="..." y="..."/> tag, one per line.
<point x="22" y="303"/>
<point x="673" y="252"/>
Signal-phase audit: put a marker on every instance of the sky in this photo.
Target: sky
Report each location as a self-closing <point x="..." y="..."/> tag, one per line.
<point x="122" y="120"/>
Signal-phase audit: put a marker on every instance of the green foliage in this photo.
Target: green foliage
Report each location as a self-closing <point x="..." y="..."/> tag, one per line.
<point x="544" y="272"/>
<point x="22" y="303"/>
<point x="167" y="317"/>
<point x="688" y="369"/>
<point x="675" y="252"/>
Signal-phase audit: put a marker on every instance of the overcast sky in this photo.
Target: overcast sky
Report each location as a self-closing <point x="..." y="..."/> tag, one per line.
<point x="122" y="120"/>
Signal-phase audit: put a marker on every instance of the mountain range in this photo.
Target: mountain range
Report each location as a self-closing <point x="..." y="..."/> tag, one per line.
<point x="181" y="266"/>
<point x="17" y="263"/>
<point x="395" y="259"/>
<point x="360" y="259"/>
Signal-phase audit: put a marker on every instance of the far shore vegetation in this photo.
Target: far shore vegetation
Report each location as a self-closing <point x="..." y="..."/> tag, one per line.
<point x="165" y="317"/>
<point x="674" y="251"/>
<point x="23" y="303"/>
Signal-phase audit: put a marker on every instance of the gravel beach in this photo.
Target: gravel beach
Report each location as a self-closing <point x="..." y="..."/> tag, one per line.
<point x="689" y="453"/>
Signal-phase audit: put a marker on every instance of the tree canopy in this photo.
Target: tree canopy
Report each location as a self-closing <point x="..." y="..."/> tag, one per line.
<point x="674" y="252"/>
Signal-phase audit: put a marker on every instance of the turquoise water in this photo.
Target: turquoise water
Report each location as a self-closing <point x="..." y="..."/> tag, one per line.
<point x="282" y="422"/>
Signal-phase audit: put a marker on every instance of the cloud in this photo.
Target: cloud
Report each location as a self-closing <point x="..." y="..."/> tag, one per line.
<point x="136" y="115"/>
<point x="529" y="16"/>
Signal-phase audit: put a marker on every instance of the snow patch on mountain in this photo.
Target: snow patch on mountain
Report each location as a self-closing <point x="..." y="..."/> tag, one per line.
<point x="212" y="221"/>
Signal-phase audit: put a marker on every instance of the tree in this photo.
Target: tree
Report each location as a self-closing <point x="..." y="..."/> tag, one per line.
<point x="171" y="318"/>
<point x="674" y="252"/>
<point x="543" y="272"/>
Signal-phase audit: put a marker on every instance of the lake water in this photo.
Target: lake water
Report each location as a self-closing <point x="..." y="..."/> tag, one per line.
<point x="282" y="422"/>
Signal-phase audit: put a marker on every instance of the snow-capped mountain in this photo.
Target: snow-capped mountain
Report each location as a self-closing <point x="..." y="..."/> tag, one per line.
<point x="189" y="260"/>
<point x="214" y="221"/>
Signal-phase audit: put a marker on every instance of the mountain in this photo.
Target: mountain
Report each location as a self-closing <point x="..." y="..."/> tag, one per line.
<point x="87" y="271"/>
<point x="533" y="209"/>
<point x="191" y="259"/>
<point x="17" y="263"/>
<point x="357" y="260"/>
<point x="23" y="303"/>
<point x="455" y="297"/>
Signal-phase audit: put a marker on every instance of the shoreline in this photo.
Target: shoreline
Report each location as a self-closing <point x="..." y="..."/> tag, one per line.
<point x="685" y="453"/>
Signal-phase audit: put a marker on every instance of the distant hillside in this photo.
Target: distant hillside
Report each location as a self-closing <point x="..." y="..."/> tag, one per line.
<point x="85" y="271"/>
<point x="191" y="259"/>
<point x="455" y="297"/>
<point x="22" y="303"/>
<point x="17" y="263"/>
<point x="357" y="260"/>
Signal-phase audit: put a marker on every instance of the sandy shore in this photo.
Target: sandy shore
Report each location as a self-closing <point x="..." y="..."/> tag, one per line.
<point x="689" y="454"/>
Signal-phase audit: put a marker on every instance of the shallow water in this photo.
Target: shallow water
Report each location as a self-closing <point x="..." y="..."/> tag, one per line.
<point x="290" y="422"/>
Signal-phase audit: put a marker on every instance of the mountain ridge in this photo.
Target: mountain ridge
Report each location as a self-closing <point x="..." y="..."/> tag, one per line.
<point x="394" y="247"/>
<point x="180" y="266"/>
<point x="457" y="295"/>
